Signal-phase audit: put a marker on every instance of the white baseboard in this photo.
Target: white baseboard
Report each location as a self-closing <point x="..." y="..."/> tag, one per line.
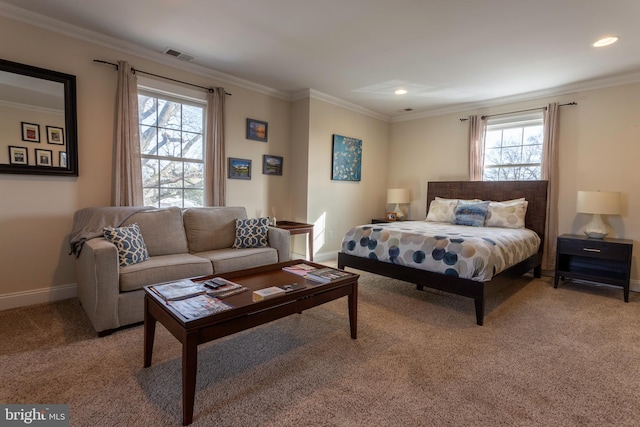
<point x="37" y="296"/>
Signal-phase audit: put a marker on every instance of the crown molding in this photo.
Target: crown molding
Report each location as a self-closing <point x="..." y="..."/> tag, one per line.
<point x="529" y="96"/>
<point x="76" y="32"/>
<point x="338" y="102"/>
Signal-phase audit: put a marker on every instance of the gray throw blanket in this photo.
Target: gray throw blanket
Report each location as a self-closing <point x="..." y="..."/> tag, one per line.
<point x="88" y="223"/>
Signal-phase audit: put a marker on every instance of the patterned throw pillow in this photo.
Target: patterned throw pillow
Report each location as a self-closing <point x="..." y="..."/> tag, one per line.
<point x="251" y="233"/>
<point x="507" y="214"/>
<point x="130" y="244"/>
<point x="444" y="210"/>
<point x="472" y="214"/>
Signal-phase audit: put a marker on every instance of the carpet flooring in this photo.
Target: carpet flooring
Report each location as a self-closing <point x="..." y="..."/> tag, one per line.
<point x="544" y="357"/>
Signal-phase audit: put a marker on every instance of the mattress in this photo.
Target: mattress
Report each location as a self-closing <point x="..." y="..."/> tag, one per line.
<point x="476" y="253"/>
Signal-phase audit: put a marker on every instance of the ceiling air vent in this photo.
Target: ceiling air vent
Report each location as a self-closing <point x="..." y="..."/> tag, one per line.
<point x="180" y="55"/>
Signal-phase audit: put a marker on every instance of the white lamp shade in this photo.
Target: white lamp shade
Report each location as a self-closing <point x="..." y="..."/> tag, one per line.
<point x="599" y="202"/>
<point x="398" y="195"/>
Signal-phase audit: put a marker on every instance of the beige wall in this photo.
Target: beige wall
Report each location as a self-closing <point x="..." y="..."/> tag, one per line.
<point x="36" y="212"/>
<point x="336" y="206"/>
<point x="599" y="150"/>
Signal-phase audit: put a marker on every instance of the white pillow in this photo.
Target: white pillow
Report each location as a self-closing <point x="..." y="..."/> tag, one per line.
<point x="444" y="210"/>
<point x="507" y="214"/>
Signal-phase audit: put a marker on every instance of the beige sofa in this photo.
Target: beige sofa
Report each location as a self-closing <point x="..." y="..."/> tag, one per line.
<point x="181" y="243"/>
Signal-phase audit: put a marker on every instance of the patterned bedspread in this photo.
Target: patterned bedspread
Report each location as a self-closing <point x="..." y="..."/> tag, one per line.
<point x="476" y="253"/>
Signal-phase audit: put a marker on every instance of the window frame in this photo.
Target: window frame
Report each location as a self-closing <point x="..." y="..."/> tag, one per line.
<point x="518" y="121"/>
<point x="172" y="93"/>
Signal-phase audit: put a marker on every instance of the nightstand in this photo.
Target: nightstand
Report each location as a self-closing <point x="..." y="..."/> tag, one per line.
<point x="596" y="260"/>
<point x="379" y="221"/>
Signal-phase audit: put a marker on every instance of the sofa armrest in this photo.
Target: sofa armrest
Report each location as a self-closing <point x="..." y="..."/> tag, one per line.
<point x="281" y="240"/>
<point x="97" y="270"/>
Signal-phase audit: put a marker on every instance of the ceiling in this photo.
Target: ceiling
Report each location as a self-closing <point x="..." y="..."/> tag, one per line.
<point x="450" y="55"/>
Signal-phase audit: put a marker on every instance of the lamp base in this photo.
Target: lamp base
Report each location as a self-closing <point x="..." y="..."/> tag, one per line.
<point x="399" y="213"/>
<point x="596" y="229"/>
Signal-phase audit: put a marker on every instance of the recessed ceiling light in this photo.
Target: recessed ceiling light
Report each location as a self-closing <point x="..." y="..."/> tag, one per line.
<point x="400" y="92"/>
<point x="606" y="41"/>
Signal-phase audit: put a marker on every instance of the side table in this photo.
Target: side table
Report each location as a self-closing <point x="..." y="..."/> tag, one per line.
<point x="299" y="228"/>
<point x="597" y="260"/>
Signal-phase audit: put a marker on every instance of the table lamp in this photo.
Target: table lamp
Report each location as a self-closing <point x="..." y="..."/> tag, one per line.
<point x="598" y="203"/>
<point x="398" y="196"/>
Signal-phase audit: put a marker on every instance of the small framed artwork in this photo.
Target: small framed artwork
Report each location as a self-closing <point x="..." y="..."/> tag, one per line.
<point x="257" y="130"/>
<point x="391" y="216"/>
<point x="63" y="159"/>
<point x="239" y="168"/>
<point x="30" y="132"/>
<point x="44" y="158"/>
<point x="55" y="135"/>
<point x="272" y="165"/>
<point x="346" y="163"/>
<point x="18" y="155"/>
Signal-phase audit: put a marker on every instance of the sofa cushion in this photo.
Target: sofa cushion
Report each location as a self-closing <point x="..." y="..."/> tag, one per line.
<point x="224" y="260"/>
<point x="163" y="268"/>
<point x="129" y="242"/>
<point x="251" y="233"/>
<point x="211" y="228"/>
<point x="162" y="230"/>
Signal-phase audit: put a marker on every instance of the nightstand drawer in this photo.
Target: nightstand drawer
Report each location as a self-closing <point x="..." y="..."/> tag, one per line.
<point x="594" y="249"/>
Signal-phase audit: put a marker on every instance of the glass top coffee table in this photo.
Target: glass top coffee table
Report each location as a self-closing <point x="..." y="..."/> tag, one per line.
<point x="244" y="314"/>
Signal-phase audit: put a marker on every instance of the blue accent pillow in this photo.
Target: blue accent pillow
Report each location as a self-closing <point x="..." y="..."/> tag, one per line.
<point x="130" y="244"/>
<point x="472" y="214"/>
<point x="252" y="233"/>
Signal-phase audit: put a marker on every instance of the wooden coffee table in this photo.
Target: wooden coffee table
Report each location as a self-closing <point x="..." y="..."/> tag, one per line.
<point x="245" y="314"/>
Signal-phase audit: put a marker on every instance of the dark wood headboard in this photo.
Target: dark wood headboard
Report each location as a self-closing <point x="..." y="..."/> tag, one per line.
<point x="535" y="192"/>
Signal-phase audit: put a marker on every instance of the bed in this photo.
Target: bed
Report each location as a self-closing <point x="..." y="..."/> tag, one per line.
<point x="475" y="284"/>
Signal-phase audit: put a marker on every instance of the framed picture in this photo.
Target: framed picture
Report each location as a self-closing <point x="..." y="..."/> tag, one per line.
<point x="346" y="164"/>
<point x="239" y="168"/>
<point x="55" y="135"/>
<point x="18" y="155"/>
<point x="272" y="165"/>
<point x="44" y="157"/>
<point x="391" y="216"/>
<point x="63" y="159"/>
<point x="30" y="132"/>
<point x="257" y="130"/>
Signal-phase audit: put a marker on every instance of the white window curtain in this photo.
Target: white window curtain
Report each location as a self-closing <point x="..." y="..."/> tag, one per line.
<point x="127" y="185"/>
<point x="476" y="148"/>
<point x="215" y="177"/>
<point x="550" y="172"/>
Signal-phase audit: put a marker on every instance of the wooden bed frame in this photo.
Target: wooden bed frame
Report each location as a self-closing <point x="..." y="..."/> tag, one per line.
<point x="535" y="193"/>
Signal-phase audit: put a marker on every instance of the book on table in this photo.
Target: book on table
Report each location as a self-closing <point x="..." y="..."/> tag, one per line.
<point x="299" y="269"/>
<point x="325" y="275"/>
<point x="266" y="293"/>
<point x="292" y="287"/>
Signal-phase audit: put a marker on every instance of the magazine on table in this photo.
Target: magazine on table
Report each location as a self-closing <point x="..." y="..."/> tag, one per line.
<point x="180" y="289"/>
<point x="199" y="306"/>
<point x="221" y="288"/>
<point x="325" y="275"/>
<point x="299" y="269"/>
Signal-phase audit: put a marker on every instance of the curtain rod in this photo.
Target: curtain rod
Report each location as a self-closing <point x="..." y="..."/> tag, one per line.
<point x="157" y="75"/>
<point x="464" y="119"/>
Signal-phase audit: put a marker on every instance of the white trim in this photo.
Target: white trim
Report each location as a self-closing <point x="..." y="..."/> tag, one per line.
<point x="37" y="296"/>
<point x="30" y="107"/>
<point x="314" y="94"/>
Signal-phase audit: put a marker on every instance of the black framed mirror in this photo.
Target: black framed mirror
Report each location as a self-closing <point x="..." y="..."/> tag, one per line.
<point x="38" y="121"/>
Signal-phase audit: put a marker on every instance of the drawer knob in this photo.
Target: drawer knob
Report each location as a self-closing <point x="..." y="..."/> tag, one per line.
<point x="591" y="250"/>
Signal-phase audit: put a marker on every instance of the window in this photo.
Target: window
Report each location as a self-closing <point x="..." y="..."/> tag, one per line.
<point x="513" y="148"/>
<point x="172" y="150"/>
